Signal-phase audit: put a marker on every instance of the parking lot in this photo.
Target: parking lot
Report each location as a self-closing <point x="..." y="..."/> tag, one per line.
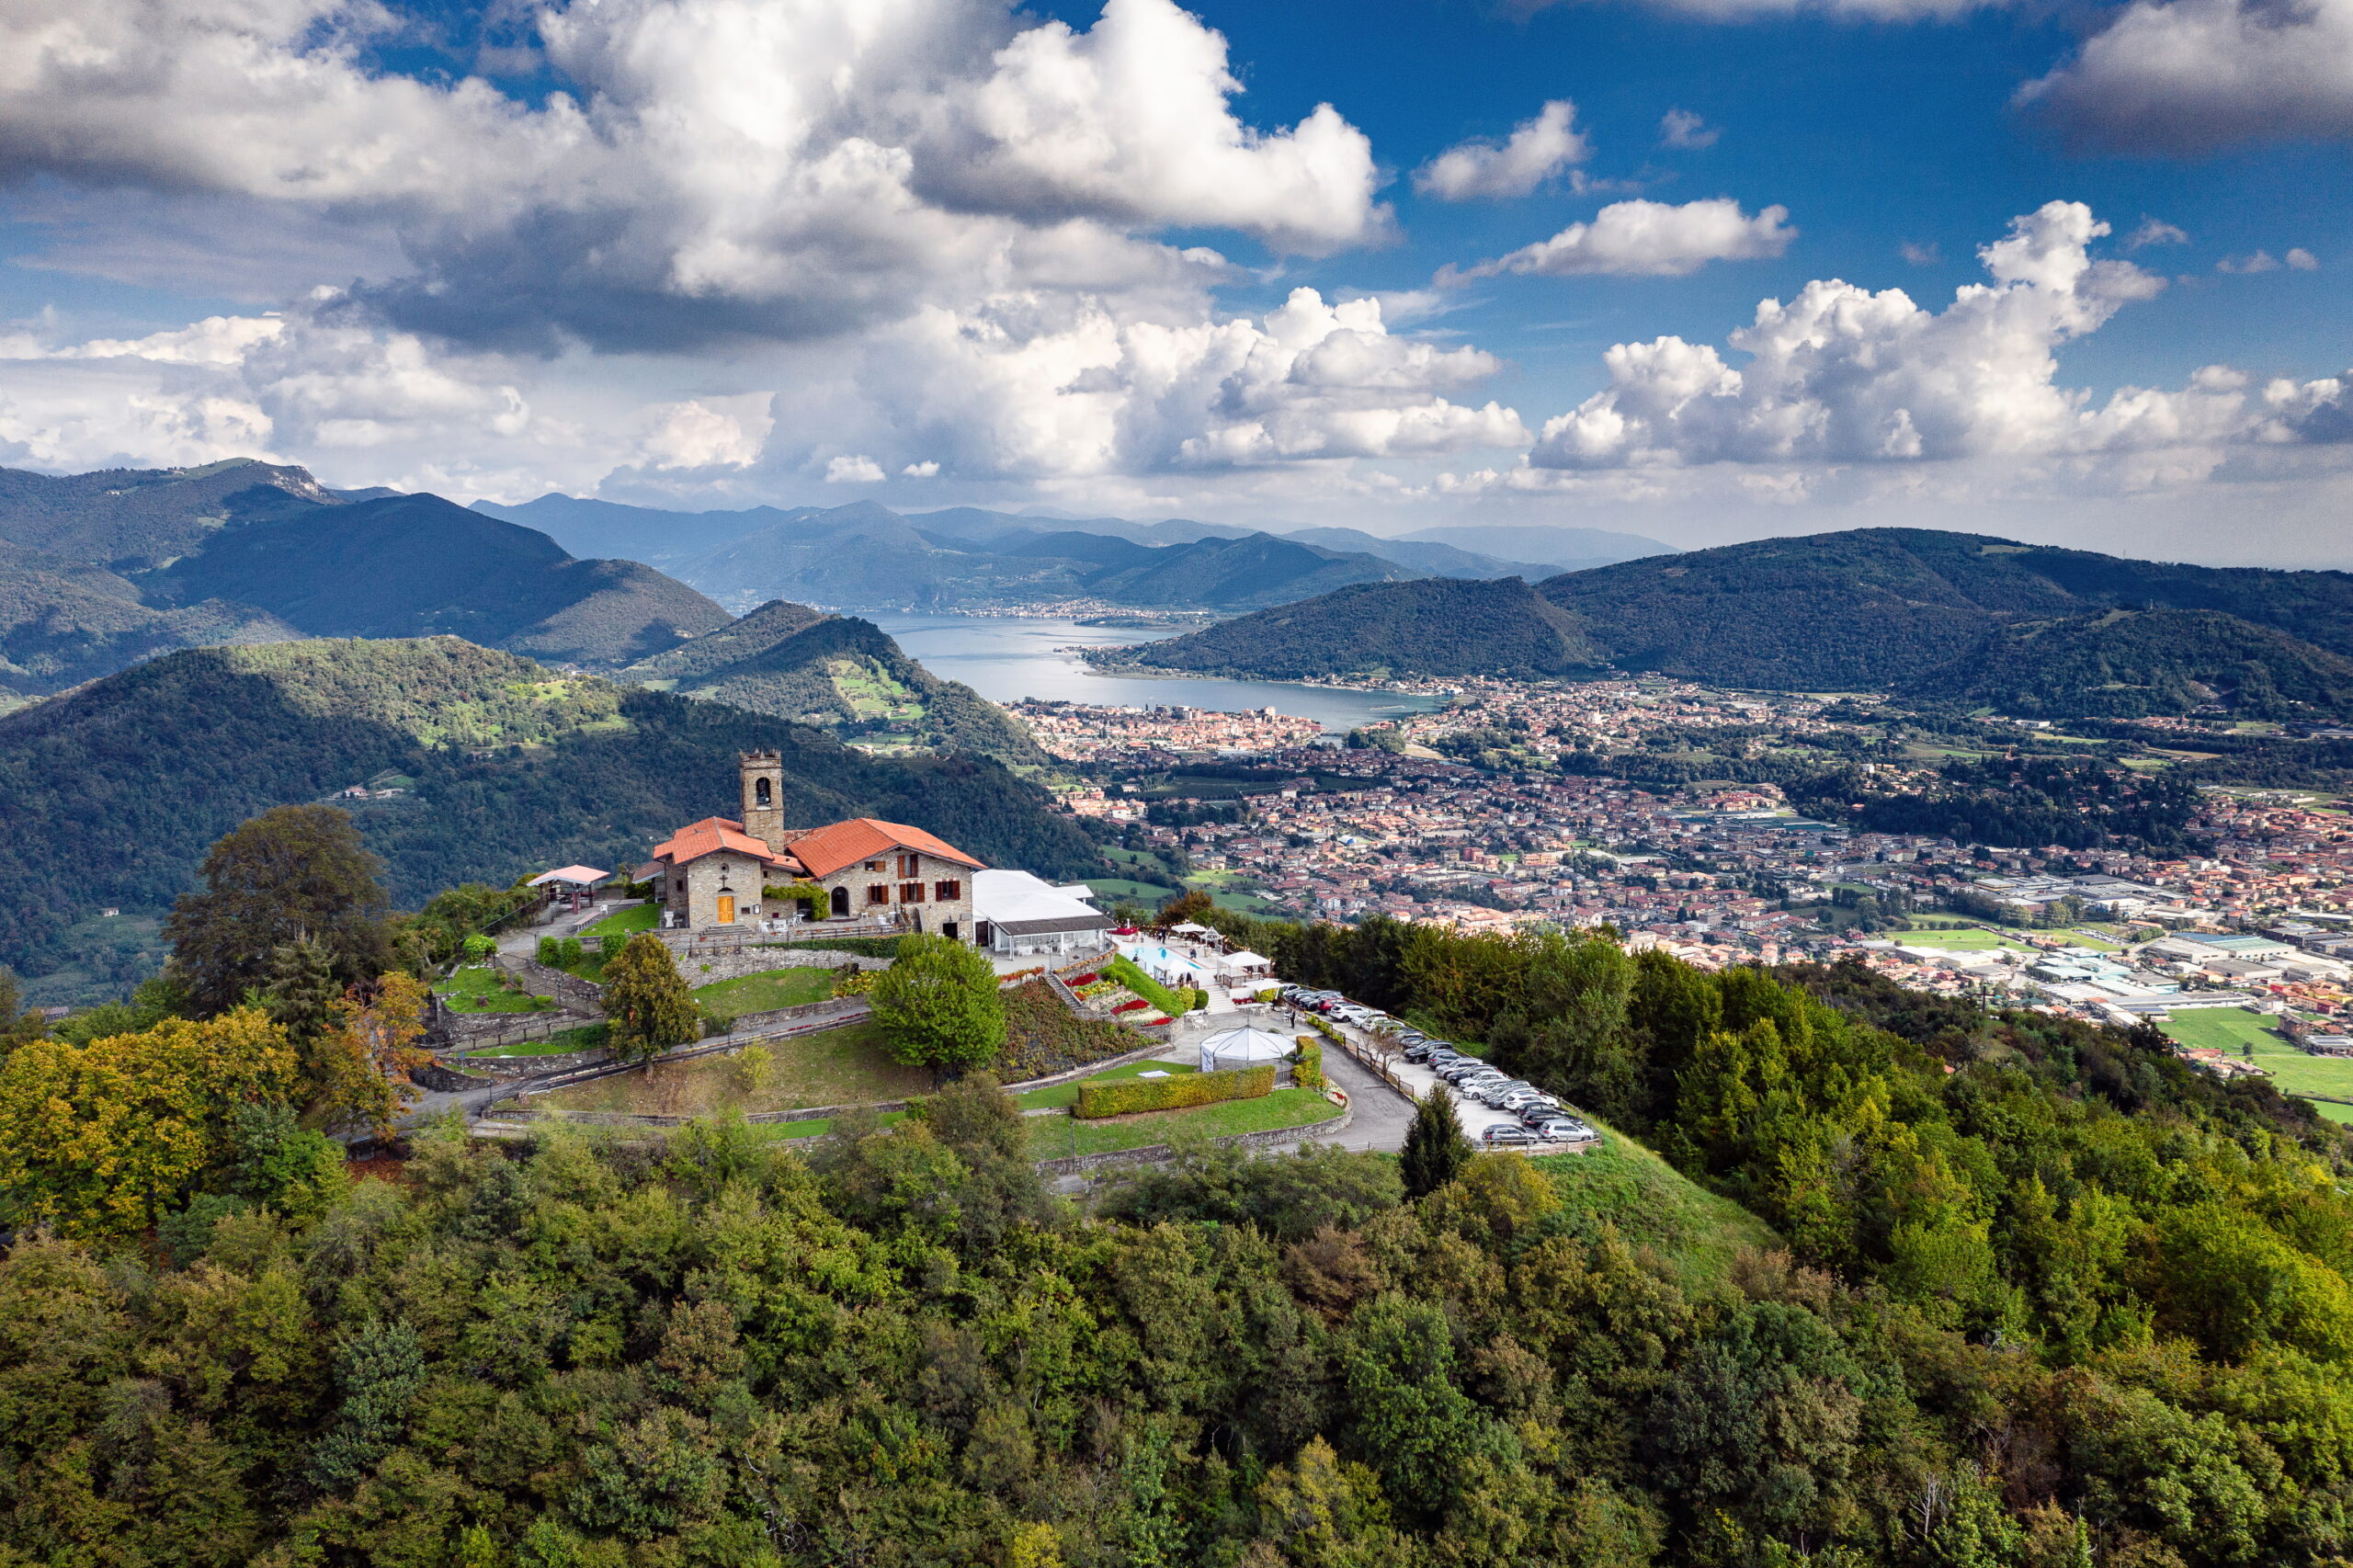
<point x="1475" y="1115"/>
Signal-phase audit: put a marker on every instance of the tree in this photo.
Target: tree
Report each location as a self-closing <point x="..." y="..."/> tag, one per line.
<point x="647" y="1005"/>
<point x="100" y="1139"/>
<point x="290" y="874"/>
<point x="1436" y="1150"/>
<point x="357" y="1075"/>
<point x="16" y="1025"/>
<point x="1191" y="905"/>
<point x="938" y="1006"/>
<point x="303" y="990"/>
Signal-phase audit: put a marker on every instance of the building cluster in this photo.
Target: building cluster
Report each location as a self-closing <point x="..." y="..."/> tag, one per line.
<point x="1145" y="736"/>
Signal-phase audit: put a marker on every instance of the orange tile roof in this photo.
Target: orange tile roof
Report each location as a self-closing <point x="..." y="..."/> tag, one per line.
<point x="708" y="837"/>
<point x="828" y="849"/>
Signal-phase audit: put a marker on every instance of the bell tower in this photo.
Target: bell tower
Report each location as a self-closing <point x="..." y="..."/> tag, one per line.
<point x="762" y="773"/>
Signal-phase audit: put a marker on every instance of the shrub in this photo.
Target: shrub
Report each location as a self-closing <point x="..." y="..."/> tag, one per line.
<point x="851" y="981"/>
<point x="567" y="952"/>
<point x="610" y="945"/>
<point x="1042" y="1034"/>
<point x="750" y="1069"/>
<point x="550" y="951"/>
<point x="1124" y="1096"/>
<point x="1173" y="1002"/>
<point x="1308" y="1073"/>
<point x="478" y="947"/>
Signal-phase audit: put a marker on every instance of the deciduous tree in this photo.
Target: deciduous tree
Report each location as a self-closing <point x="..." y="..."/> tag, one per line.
<point x="290" y="874"/>
<point x="939" y="1007"/>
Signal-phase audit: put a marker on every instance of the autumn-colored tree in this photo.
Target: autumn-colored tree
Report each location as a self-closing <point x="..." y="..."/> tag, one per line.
<point x="359" y="1074"/>
<point x="1193" y="905"/>
<point x="98" y="1139"/>
<point x="647" y="1005"/>
<point x="293" y="873"/>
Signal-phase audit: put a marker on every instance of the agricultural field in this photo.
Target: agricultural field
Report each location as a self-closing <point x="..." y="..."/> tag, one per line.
<point x="2238" y="1032"/>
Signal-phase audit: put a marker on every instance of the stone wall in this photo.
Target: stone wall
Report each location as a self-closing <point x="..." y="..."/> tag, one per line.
<point x="540" y="980"/>
<point x="733" y="963"/>
<point x="506" y="1067"/>
<point x="480" y="1031"/>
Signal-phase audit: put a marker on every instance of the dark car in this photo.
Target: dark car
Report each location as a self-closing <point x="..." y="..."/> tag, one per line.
<point x="1506" y="1133"/>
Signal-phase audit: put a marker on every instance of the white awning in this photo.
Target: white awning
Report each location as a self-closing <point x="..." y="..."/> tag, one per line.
<point x="1246" y="958"/>
<point x="1189" y="929"/>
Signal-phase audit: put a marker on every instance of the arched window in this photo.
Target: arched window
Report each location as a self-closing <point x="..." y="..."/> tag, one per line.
<point x="760" y="796"/>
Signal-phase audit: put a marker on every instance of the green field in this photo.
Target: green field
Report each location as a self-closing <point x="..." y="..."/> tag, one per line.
<point x="1967" y="941"/>
<point x="1053" y="1138"/>
<point x="1114" y="889"/>
<point x="2235" y="1032"/>
<point x="1065" y="1095"/>
<point x="628" y="922"/>
<point x="766" y="991"/>
<point x="478" y="988"/>
<point x="587" y="1037"/>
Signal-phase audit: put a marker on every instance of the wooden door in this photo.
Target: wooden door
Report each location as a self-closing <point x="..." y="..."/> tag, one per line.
<point x="727" y="909"/>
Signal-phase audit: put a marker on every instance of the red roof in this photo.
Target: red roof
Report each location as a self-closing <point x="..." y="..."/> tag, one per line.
<point x="709" y="837"/>
<point x="828" y="849"/>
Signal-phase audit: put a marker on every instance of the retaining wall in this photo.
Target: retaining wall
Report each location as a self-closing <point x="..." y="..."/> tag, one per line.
<point x="505" y="1067"/>
<point x="734" y="962"/>
<point x="542" y="980"/>
<point x="480" y="1031"/>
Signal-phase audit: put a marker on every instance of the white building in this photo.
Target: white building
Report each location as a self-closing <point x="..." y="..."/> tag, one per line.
<point x="1016" y="914"/>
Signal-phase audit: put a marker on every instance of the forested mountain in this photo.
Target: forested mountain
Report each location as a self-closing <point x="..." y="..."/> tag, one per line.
<point x="2131" y="663"/>
<point x="418" y="565"/>
<point x="1439" y="626"/>
<point x="110" y="795"/>
<point x="841" y="674"/>
<point x="608" y="529"/>
<point x="1562" y="549"/>
<point x="1938" y="616"/>
<point x="137" y="519"/>
<point x="63" y="623"/>
<point x="1858" y="1278"/>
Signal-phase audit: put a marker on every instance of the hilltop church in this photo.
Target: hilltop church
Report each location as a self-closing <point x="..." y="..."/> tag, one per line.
<point x="709" y="875"/>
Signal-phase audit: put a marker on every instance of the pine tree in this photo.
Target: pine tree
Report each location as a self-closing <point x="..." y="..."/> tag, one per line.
<point x="1436" y="1150"/>
<point x="302" y="989"/>
<point x="647" y="1003"/>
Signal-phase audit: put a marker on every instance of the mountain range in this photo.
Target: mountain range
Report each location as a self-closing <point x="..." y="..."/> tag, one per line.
<point x="485" y="765"/>
<point x="99" y="571"/>
<point x="1932" y="616"/>
<point x="866" y="556"/>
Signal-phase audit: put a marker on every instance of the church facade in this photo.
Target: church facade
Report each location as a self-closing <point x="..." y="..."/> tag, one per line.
<point x="709" y="875"/>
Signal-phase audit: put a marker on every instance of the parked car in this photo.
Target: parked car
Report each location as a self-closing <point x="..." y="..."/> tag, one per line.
<point x="1538" y="1111"/>
<point x="1516" y="1100"/>
<point x="1505" y="1133"/>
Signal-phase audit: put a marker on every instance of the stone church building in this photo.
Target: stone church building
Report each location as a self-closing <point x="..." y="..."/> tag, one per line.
<point x="709" y="875"/>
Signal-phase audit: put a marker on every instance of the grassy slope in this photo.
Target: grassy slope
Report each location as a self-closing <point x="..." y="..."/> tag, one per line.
<point x="843" y="1066"/>
<point x="770" y="989"/>
<point x="1626" y="1184"/>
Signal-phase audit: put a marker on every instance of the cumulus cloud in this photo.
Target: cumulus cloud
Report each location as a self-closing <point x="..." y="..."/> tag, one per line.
<point x="2188" y="75"/>
<point x="2302" y="260"/>
<point x="2155" y="232"/>
<point x="713" y="432"/>
<point x="1030" y="388"/>
<point x="2259" y="261"/>
<point x="715" y="169"/>
<point x="1537" y="150"/>
<point x="1649" y="238"/>
<point x="853" y="469"/>
<point x="1681" y="127"/>
<point x="1840" y="374"/>
<point x="925" y="469"/>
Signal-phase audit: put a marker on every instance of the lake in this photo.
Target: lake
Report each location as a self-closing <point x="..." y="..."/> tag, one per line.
<point x="1007" y="658"/>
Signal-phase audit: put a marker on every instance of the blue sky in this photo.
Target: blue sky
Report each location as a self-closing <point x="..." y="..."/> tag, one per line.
<point x="940" y="252"/>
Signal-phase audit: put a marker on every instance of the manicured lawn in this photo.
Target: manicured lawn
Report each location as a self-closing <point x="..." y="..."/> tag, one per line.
<point x="1625" y="1185"/>
<point x="1066" y="1095"/>
<point x="478" y="988"/>
<point x="2235" y="1030"/>
<point x="844" y="1066"/>
<point x="1053" y="1138"/>
<point x="629" y="922"/>
<point x="766" y="991"/>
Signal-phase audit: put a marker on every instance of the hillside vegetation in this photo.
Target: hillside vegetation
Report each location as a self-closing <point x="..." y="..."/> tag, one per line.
<point x="110" y="795"/>
<point x="842" y="674"/>
<point x="1434" y="627"/>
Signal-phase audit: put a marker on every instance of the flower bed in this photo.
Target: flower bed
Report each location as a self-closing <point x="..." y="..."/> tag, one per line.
<point x="1043" y="1037"/>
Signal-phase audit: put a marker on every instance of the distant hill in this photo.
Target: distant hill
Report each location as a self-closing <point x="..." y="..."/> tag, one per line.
<point x="418" y="565"/>
<point x="137" y="519"/>
<point x="1938" y="616"/>
<point x="658" y="538"/>
<point x="2132" y="663"/>
<point x="1241" y="572"/>
<point x="109" y="796"/>
<point x="1442" y="559"/>
<point x="1436" y="626"/>
<point x="64" y="622"/>
<point x="839" y="674"/>
<point x="1573" y="549"/>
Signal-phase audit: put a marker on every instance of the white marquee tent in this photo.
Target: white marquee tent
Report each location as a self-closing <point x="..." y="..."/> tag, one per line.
<point x="1241" y="1048"/>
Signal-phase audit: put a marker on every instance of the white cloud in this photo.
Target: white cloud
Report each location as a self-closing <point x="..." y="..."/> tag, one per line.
<point x="1681" y="127"/>
<point x="1843" y="375"/>
<point x="728" y="169"/>
<point x="2155" y="232"/>
<point x="1649" y="238"/>
<point x="1920" y="255"/>
<point x="715" y="432"/>
<point x="927" y="470"/>
<point x="2188" y="75"/>
<point x="851" y="469"/>
<point x="1538" y="149"/>
<point x="2260" y="261"/>
<point x="2302" y="260"/>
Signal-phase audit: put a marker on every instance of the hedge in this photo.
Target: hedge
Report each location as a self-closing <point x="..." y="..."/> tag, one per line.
<point x="1173" y="1002"/>
<point x="1308" y="1073"/>
<point x="1123" y="1096"/>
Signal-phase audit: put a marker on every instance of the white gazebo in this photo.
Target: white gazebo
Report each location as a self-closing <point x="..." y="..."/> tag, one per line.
<point x="1189" y="929"/>
<point x="1241" y="1048"/>
<point x="1245" y="964"/>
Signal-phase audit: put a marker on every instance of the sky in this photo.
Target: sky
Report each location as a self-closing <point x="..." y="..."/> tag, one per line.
<point x="1703" y="271"/>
